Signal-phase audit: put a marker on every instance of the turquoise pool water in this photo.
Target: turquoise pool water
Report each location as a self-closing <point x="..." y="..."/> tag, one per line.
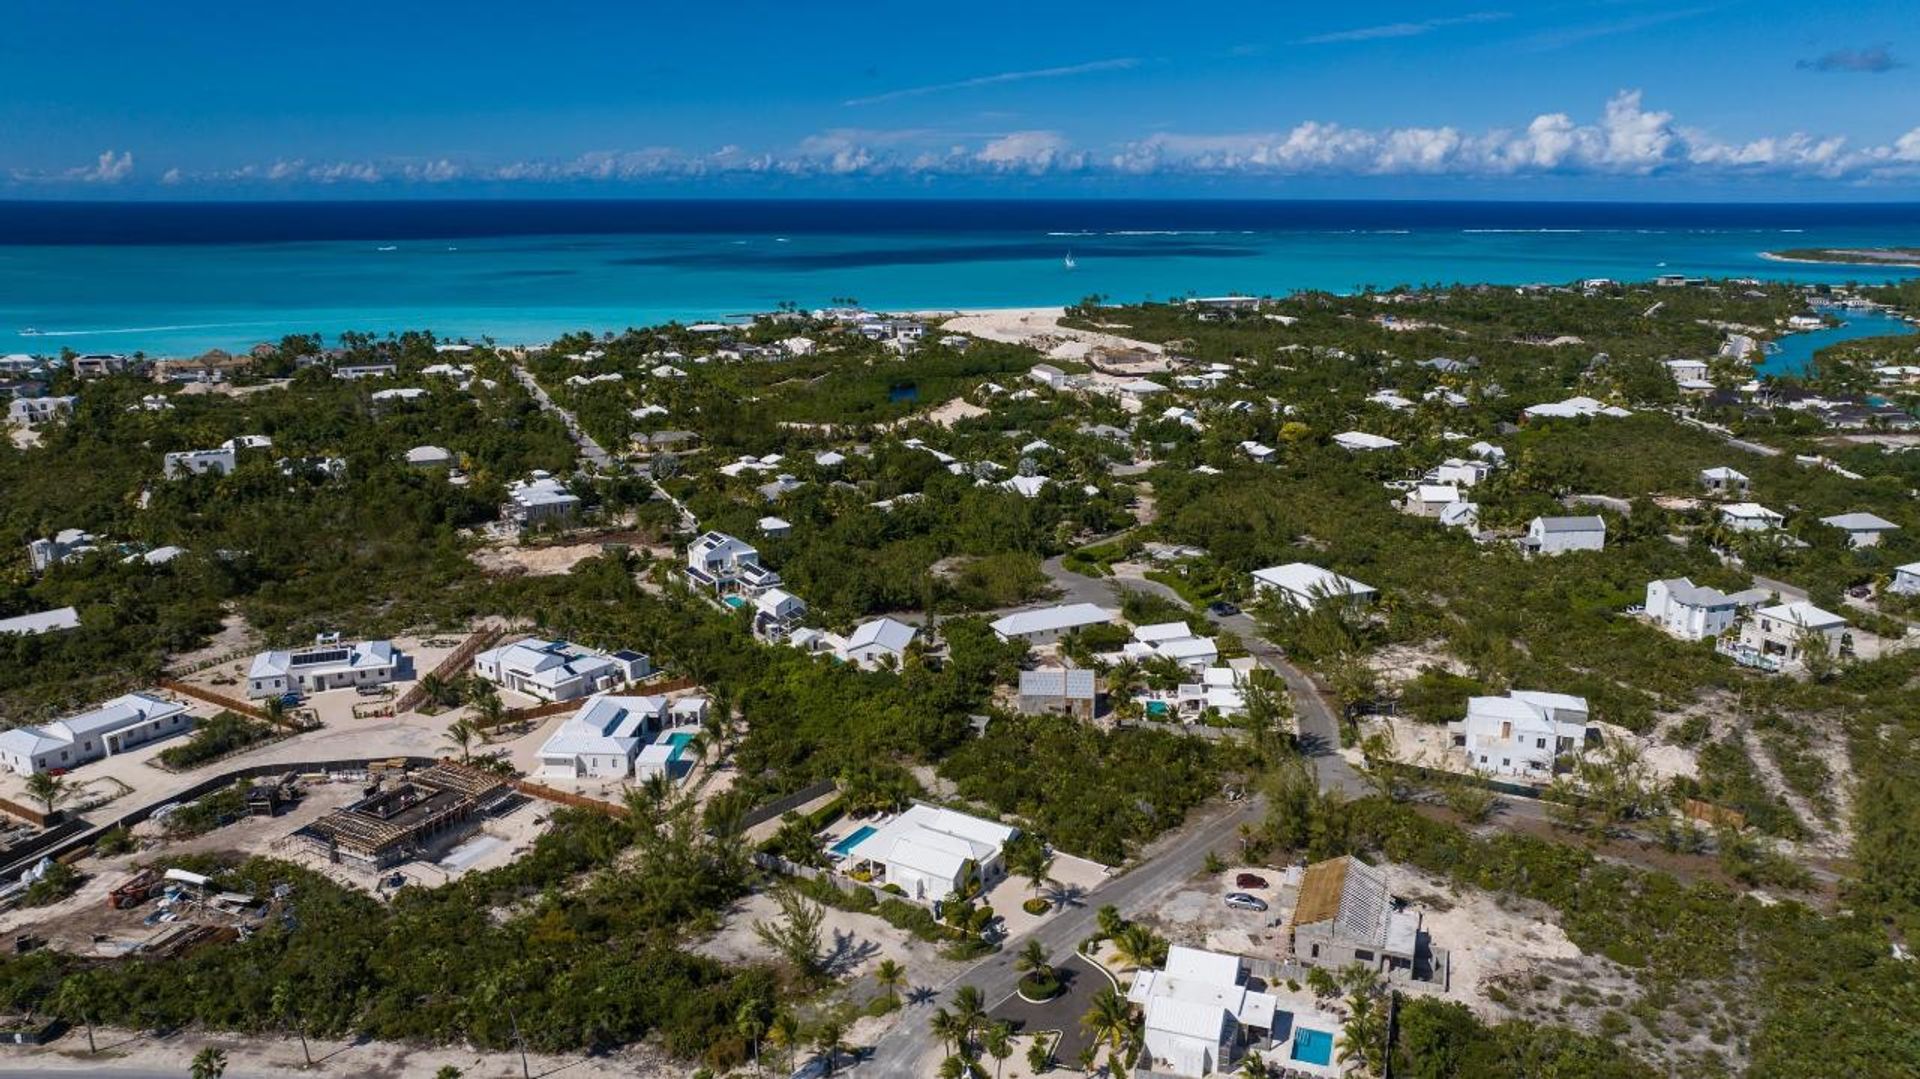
<point x="1313" y="1046"/>
<point x="735" y="602"/>
<point x="859" y="836"/>
<point x="1156" y="708"/>
<point x="678" y="740"/>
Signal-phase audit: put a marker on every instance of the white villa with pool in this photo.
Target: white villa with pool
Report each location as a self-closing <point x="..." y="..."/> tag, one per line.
<point x="929" y="852"/>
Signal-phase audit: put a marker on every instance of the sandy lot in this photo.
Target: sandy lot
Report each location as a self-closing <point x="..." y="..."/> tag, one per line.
<point x="1039" y="327"/>
<point x="1488" y="937"/>
<point x="855" y="943"/>
<point x="513" y="561"/>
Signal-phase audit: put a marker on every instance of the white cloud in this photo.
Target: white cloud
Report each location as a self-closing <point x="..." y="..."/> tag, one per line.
<point x="1627" y="138"/>
<point x="1117" y="64"/>
<point x="1404" y="29"/>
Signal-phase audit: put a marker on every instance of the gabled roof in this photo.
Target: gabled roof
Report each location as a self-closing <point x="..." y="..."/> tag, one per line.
<point x="884" y="633"/>
<point x="1860" y="522"/>
<point x="1050" y="619"/>
<point x="1570" y="524"/>
<point x="1071" y="683"/>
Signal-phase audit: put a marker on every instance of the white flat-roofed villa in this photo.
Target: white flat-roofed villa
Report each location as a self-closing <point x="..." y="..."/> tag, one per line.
<point x="328" y="664"/>
<point x="1048" y="624"/>
<point x="929" y="852"/>
<point x="722" y="564"/>
<point x="115" y="727"/>
<point x="557" y="670"/>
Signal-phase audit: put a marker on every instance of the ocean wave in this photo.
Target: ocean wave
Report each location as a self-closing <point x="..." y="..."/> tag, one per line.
<point x="1534" y="231"/>
<point x="1164" y="232"/>
<point x="1080" y="233"/>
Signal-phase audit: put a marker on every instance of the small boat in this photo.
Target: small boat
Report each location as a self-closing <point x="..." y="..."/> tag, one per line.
<point x="1068" y="261"/>
<point x="29" y="332"/>
<point x="389" y="247"/>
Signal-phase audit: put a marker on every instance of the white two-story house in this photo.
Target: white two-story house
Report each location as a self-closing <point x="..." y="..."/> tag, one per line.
<point x="1522" y="733"/>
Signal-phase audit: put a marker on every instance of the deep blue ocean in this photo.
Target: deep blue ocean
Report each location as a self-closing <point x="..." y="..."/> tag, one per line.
<point x="171" y="278"/>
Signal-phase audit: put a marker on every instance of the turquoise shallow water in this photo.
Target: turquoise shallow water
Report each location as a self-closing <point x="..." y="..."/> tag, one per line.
<point x="173" y="297"/>
<point x="1796" y="350"/>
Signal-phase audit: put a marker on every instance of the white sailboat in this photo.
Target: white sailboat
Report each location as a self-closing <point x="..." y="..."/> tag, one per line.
<point x="1068" y="261"/>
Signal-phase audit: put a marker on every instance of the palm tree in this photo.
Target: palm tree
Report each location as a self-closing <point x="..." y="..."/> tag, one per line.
<point x="891" y="976"/>
<point x="460" y="735"/>
<point x="284" y="1008"/>
<point x="1033" y="960"/>
<point x="274" y="711"/>
<point x="830" y="1039"/>
<point x="998" y="1042"/>
<point x="48" y="790"/>
<point x="970" y="1011"/>
<point x="747" y="1022"/>
<point x="946" y="1026"/>
<point x="438" y="690"/>
<point x="1136" y="946"/>
<point x="489" y="709"/>
<point x="1110" y="1020"/>
<point x="209" y="1063"/>
<point x="1364" y="1037"/>
<point x="784" y="1032"/>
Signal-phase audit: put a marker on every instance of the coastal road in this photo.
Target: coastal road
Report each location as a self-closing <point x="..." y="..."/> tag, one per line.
<point x="1728" y="437"/>
<point x="910" y="1051"/>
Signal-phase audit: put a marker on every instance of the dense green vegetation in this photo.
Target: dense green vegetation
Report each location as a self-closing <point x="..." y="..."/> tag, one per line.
<point x="215" y="737"/>
<point x="1095" y="793"/>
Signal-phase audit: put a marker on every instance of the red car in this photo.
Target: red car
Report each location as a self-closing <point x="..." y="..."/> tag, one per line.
<point x="1249" y="880"/>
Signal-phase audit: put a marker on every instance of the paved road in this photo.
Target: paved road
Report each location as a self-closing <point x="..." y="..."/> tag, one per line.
<point x="592" y="451"/>
<point x="1727" y="437"/>
<point x="909" y="1051"/>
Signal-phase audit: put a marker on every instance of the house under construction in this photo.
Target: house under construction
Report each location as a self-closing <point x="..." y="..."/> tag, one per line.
<point x="412" y="817"/>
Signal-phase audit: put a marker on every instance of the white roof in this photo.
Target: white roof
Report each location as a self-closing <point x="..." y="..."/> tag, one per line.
<point x="1860" y="522"/>
<point x="1722" y="472"/>
<point x="934" y="841"/>
<point x="1188" y="648"/>
<point x="1576" y="406"/>
<point x="1361" y="440"/>
<point x="1051" y="619"/>
<point x="420" y="455"/>
<point x="1438" y="492"/>
<point x="1207" y="966"/>
<point x="885" y="633"/>
<point x="1752" y="511"/>
<point x="1803" y="614"/>
<point x="1306" y="579"/>
<point x="604" y="725"/>
<point x="1161" y="631"/>
<point x="42" y="622"/>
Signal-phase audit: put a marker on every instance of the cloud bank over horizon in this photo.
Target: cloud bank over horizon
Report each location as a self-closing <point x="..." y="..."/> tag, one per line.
<point x="1626" y="139"/>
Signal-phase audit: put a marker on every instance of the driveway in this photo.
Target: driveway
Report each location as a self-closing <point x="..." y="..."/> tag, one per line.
<point x="1081" y="980"/>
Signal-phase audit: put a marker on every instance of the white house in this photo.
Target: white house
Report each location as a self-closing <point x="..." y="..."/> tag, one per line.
<point x="872" y="644"/>
<point x="1304" y="585"/>
<point x="1430" y="499"/>
<point x="539" y="499"/>
<point x="59" y="618"/>
<point x="328" y="664"/>
<point x="775" y="612"/>
<point x="1862" y="529"/>
<point x="1460" y="471"/>
<point x="1572" y="408"/>
<point x="723" y="564"/>
<point x="34" y="411"/>
<point x="601" y="740"/>
<point x="1782" y="630"/>
<point x="65" y="544"/>
<point x="1362" y="442"/>
<point x="115" y="727"/>
<point x="1200" y="1015"/>
<point x="430" y="458"/>
<point x="557" y="670"/>
<point x="929" y="852"/>
<point x="1261" y="454"/>
<point x="1460" y="515"/>
<point x="775" y="527"/>
<point x="1522" y="733"/>
<point x="1558" y="535"/>
<point x="1048" y="375"/>
<point x="1695" y="612"/>
<point x="1750" y="517"/>
<point x="1684" y="371"/>
<point x="1722" y="480"/>
<point x="198" y="462"/>
<point x="1906" y="580"/>
<point x="1049" y="624"/>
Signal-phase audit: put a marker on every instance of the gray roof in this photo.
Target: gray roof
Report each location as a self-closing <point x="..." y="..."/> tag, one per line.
<point x="1572" y="524"/>
<point x="42" y="622"/>
<point x="1860" y="522"/>
<point x="1075" y="684"/>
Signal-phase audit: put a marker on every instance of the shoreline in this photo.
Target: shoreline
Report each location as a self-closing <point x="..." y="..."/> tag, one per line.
<point x="1773" y="256"/>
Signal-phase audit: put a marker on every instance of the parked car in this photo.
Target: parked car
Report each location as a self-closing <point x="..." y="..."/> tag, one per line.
<point x="1249" y="880"/>
<point x="1243" y="901"/>
<point x="1222" y="609"/>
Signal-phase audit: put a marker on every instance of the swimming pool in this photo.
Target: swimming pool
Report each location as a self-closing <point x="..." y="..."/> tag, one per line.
<point x="678" y="740"/>
<point x="1156" y="708"/>
<point x="1312" y="1046"/>
<point x="735" y="602"/>
<point x="857" y="837"/>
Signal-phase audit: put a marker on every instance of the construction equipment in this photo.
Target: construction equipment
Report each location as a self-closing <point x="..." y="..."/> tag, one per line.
<point x="133" y="891"/>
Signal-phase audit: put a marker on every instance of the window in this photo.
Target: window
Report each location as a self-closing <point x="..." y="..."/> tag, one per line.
<point x="1363" y="955"/>
<point x="1539" y="743"/>
<point x="1506" y="762"/>
<point x="1316" y="951"/>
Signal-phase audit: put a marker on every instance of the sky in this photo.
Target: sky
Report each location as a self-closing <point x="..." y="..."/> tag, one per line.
<point x="1598" y="99"/>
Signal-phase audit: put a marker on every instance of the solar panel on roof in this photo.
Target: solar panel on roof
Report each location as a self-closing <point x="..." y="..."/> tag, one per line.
<point x="314" y="659"/>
